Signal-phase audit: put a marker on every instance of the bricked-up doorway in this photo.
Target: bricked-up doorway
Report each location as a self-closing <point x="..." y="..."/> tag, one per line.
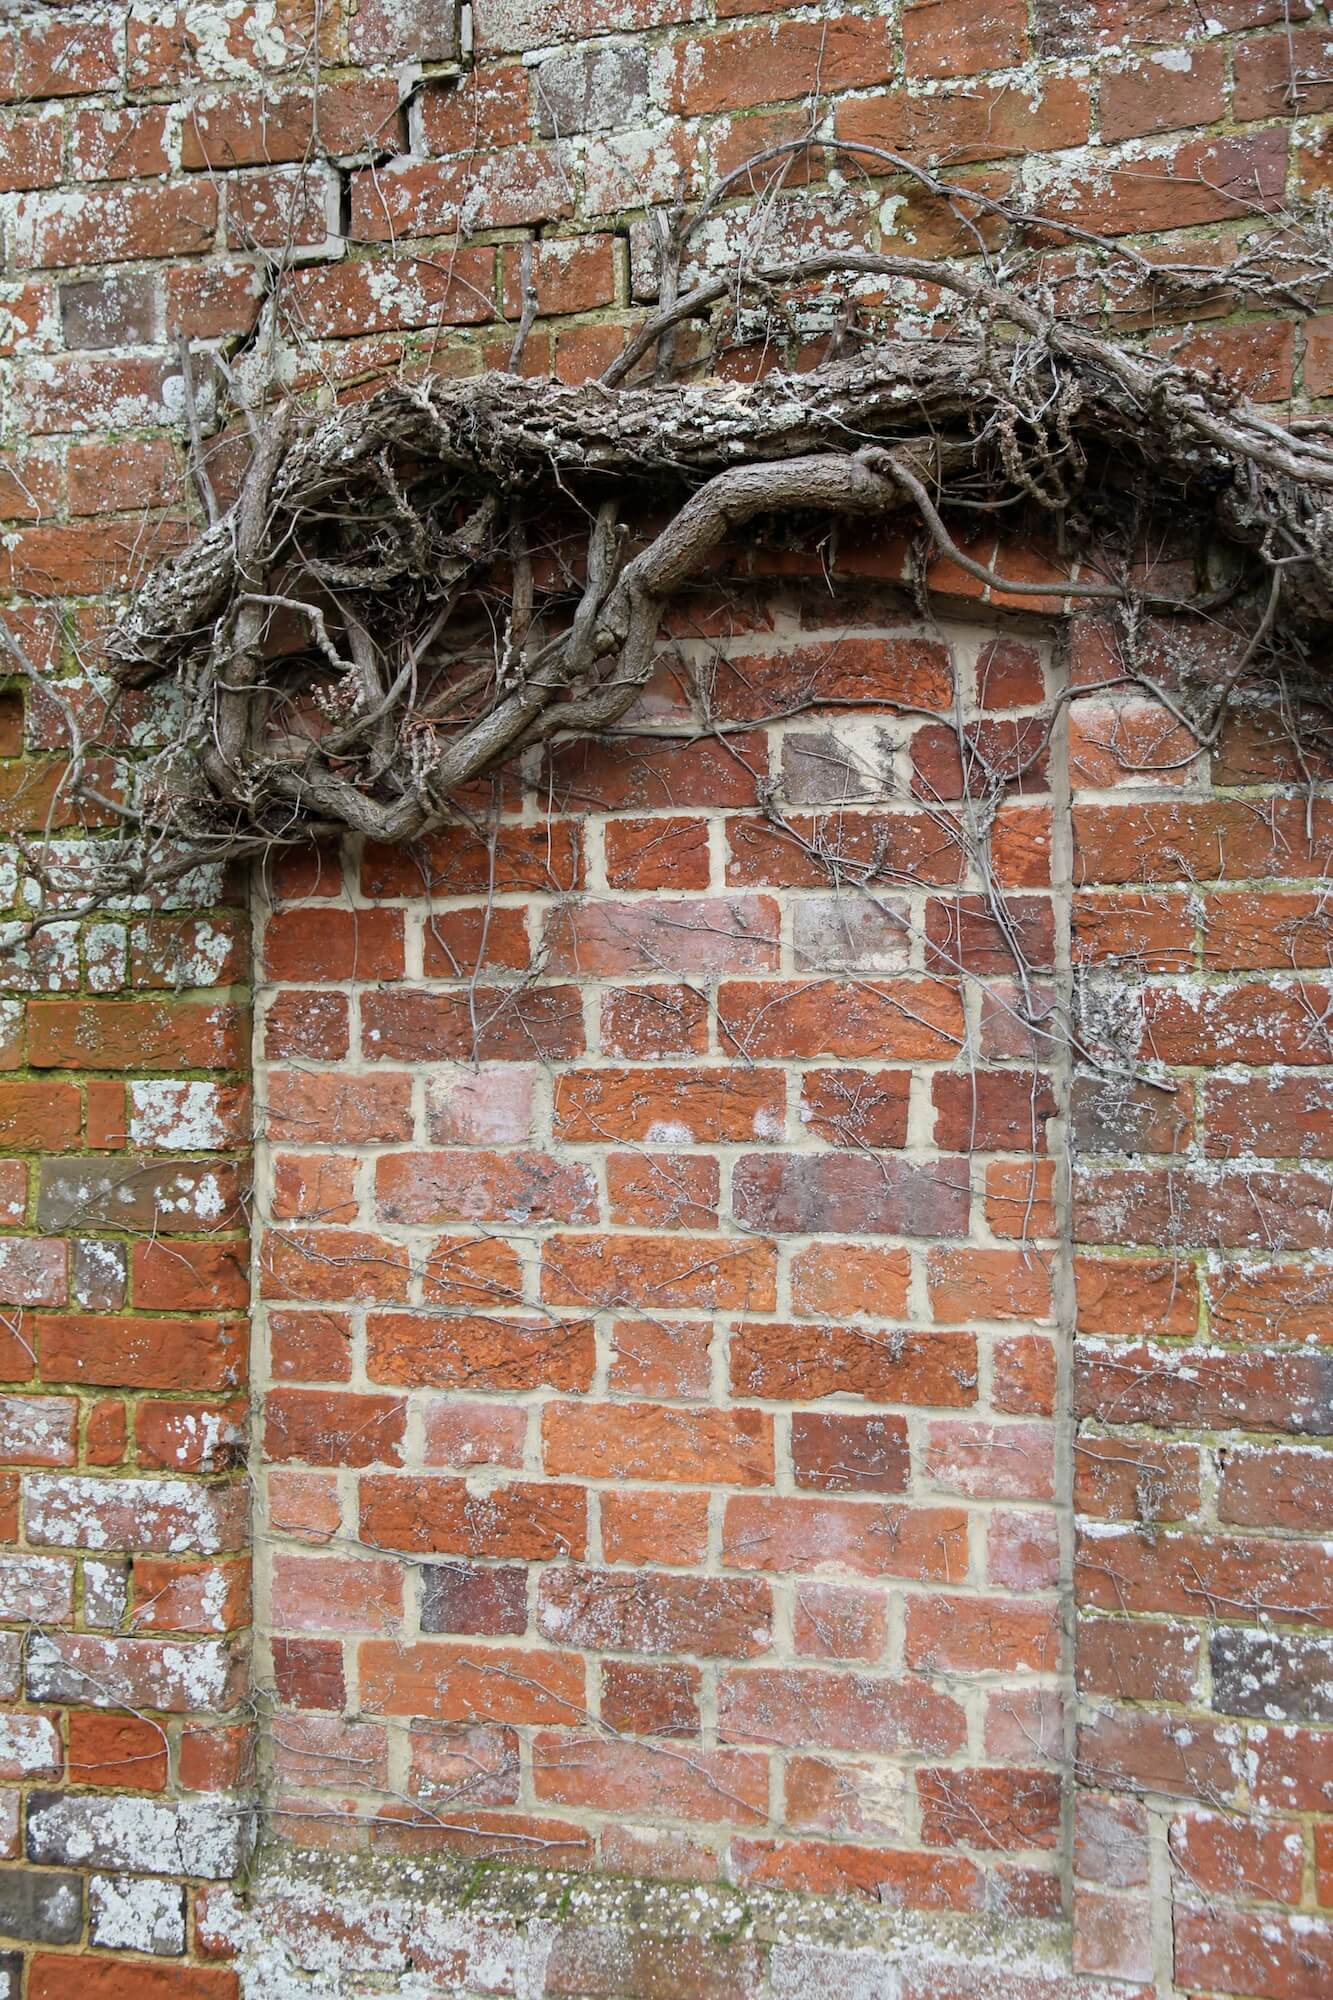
<point x="666" y="1412"/>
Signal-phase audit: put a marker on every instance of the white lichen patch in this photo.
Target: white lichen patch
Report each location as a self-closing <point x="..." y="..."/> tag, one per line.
<point x="178" y="1117"/>
<point x="136" y="1913"/>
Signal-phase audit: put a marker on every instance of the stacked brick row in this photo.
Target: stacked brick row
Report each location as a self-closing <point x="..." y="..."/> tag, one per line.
<point x="1204" y="1392"/>
<point x="125" y="1574"/>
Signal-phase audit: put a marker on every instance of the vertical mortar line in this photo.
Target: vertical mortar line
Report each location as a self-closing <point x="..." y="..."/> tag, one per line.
<point x="1061" y="1058"/>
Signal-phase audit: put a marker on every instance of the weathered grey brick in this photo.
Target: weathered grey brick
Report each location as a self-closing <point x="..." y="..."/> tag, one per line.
<point x="205" y="1837"/>
<point x="40" y="1904"/>
<point x="179" y="1676"/>
<point x="850" y="931"/>
<point x="99" y="1274"/>
<point x="118" y="310"/>
<point x="1280" y="1676"/>
<point x="591" y="90"/>
<point x="819" y="768"/>
<point x="163" y="1195"/>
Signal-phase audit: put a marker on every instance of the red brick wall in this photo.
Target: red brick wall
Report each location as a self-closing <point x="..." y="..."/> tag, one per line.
<point x="874" y="1415"/>
<point x="656" y="1316"/>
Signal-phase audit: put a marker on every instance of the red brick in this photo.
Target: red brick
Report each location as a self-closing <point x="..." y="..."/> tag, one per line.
<point x="190" y="1277"/>
<point x="1163" y="1386"/>
<point x="142" y="1353"/>
<point x="1291" y="1770"/>
<point x="669" y="1107"/>
<point x="80" y="1978"/>
<point x="840" y="1711"/>
<point x="780" y="61"/>
<point x="308" y="1673"/>
<point x="989" y="1809"/>
<point x="332" y="1427"/>
<point x="895" y="846"/>
<point x="410" y="197"/>
<point x="1270" y="1300"/>
<point x="1218" y="1855"/>
<point x="662" y="1190"/>
<point x="829" y="1280"/>
<point x="1206" y="840"/>
<point x="303" y="1504"/>
<point x="981" y="1635"/>
<point x="709" y="935"/>
<point x="1252" y="1951"/>
<point x="1022" y="1549"/>
<point x="1281" y="1209"/>
<point x="641" y="1612"/>
<point x="338" y="1110"/>
<point x="1199" y="1574"/>
<point x="313" y="1188"/>
<point x="730" y="1786"/>
<point x="1151" y="933"/>
<point x="640" y="1023"/>
<point x="803" y="1362"/>
<point x="1124" y="1295"/>
<point x="159" y="219"/>
<point x="333" y="944"/>
<point x="135" y="1034"/>
<point x="840" y="1192"/>
<point x="517" y="1188"/>
<point x="490" y="1023"/>
<point x="658" y="1441"/>
<point x="1023" y="1375"/>
<point x="719" y="1273"/>
<point x="190" y="1597"/>
<point x="459" y="861"/>
<point x="650" y="1701"/>
<point x="191" y="1437"/>
<point x="1275" y="1486"/>
<point x="489" y="106"/>
<point x="333" y="1264"/>
<point x="56" y="57"/>
<point x="840" y="1621"/>
<point x="527" y="1520"/>
<point x="459" y="941"/>
<point x="116" y="1750"/>
<point x="1137" y="1659"/>
<point x="920" y="1881"/>
<point x="335" y="1594"/>
<point x="464" y="1684"/>
<point x="849" y="1454"/>
<point x="466" y="1352"/>
<point x="646" y="1525"/>
<point x="30" y="152"/>
<point x="1138" y="1750"/>
<point x="941" y="38"/>
<point x="909" y="1020"/>
<point x="248" y="128"/>
<point x="120" y="145"/>
<point x="1136" y="1479"/>
<point x="870" y="1538"/>
<point x="987" y="121"/>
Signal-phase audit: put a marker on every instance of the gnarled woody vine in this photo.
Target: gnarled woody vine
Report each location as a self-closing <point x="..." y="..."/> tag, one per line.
<point x="373" y="624"/>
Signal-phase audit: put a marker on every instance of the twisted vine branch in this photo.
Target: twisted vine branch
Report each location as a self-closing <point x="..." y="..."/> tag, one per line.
<point x="336" y="637"/>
